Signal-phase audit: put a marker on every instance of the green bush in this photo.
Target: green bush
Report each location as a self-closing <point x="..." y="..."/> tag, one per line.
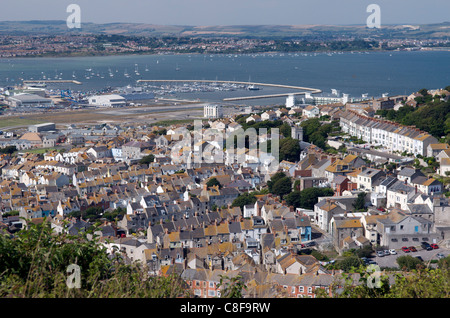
<point x="34" y="263"/>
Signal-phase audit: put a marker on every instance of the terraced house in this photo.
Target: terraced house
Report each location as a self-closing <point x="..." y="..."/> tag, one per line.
<point x="389" y="135"/>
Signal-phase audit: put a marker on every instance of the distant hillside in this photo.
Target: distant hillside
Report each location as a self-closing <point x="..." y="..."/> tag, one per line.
<point x="427" y="31"/>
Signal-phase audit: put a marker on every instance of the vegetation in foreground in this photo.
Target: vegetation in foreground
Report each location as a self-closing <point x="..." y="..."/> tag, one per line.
<point x="34" y="264"/>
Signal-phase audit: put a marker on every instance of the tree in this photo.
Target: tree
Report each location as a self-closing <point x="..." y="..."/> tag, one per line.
<point x="243" y="200"/>
<point x="277" y="176"/>
<point x="282" y="187"/>
<point x="423" y="92"/>
<point x="407" y="262"/>
<point x="294" y="199"/>
<point x="231" y="287"/>
<point x="360" y="203"/>
<point x="366" y="251"/>
<point x="348" y="263"/>
<point x="8" y="150"/>
<point x="38" y="259"/>
<point x="213" y="182"/>
<point x="289" y="149"/>
<point x="286" y="130"/>
<point x="147" y="159"/>
<point x="308" y="197"/>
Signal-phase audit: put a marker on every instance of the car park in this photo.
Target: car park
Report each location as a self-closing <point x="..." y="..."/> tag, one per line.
<point x="392" y="252"/>
<point x="405" y="249"/>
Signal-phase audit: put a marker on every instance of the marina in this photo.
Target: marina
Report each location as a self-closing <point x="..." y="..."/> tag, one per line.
<point x="241" y="78"/>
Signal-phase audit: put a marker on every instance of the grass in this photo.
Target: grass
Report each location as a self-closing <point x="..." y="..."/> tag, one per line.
<point x="89" y="116"/>
<point x="41" y="150"/>
<point x="174" y="122"/>
<point x="17" y="121"/>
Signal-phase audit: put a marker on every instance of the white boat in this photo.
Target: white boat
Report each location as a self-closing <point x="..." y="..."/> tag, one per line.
<point x="252" y="88"/>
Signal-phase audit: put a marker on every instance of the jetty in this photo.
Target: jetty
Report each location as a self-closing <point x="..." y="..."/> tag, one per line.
<point x="51" y="81"/>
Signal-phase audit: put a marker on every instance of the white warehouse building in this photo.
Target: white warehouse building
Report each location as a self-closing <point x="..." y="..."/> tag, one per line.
<point x="111" y="100"/>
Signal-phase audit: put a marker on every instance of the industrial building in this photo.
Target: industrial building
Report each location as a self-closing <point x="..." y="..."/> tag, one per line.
<point x="111" y="100"/>
<point x="42" y="127"/>
<point x="29" y="100"/>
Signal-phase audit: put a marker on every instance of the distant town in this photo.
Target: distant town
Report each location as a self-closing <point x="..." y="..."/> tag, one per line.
<point x="350" y="181"/>
<point x="93" y="44"/>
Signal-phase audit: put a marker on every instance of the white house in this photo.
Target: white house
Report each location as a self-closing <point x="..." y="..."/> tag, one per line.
<point x="444" y="167"/>
<point x="269" y="115"/>
<point x="311" y="111"/>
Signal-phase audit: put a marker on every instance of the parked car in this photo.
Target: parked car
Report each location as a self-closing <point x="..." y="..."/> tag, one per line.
<point x="440" y="255"/>
<point x="435" y="246"/>
<point x="419" y="257"/>
<point x="392" y="252"/>
<point x="386" y="253"/>
<point x="412" y="249"/>
<point x="426" y="246"/>
<point x="405" y="249"/>
<point x="380" y="253"/>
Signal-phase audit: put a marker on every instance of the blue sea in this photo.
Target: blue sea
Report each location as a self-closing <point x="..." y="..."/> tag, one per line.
<point x="372" y="73"/>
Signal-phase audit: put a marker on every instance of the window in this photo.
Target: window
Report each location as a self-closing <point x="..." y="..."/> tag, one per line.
<point x="301" y="289"/>
<point x="211" y="293"/>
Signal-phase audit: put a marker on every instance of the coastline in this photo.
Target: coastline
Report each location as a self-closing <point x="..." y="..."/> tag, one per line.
<point x="63" y="55"/>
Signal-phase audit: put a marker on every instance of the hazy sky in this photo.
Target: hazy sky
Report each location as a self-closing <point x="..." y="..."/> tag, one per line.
<point x="230" y="12"/>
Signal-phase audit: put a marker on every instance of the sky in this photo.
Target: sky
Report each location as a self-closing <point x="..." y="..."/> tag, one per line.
<point x="230" y="12"/>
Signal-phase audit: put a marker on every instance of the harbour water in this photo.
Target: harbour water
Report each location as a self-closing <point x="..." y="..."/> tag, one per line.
<point x="373" y="73"/>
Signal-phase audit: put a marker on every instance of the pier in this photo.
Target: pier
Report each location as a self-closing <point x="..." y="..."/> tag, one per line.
<point x="261" y="96"/>
<point x="52" y="81"/>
